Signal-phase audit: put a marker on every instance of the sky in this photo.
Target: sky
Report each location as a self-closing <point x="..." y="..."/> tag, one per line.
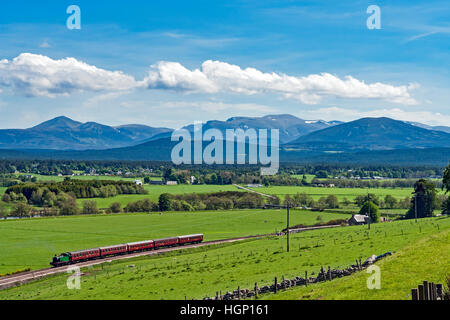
<point x="171" y="63"/>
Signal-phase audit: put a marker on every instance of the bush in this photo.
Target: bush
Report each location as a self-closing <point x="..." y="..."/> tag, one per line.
<point x="446" y="206"/>
<point x="6" y="198"/>
<point x="21" y="210"/>
<point x="67" y="204"/>
<point x="3" y="212"/>
<point x="332" y="202"/>
<point x="116" y="207"/>
<point x="90" y="207"/>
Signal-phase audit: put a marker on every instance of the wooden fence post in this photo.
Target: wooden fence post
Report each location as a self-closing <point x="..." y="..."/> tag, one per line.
<point x="421" y="292"/>
<point x="239" y="293"/>
<point x="439" y="290"/>
<point x="415" y="294"/>
<point x="426" y="290"/>
<point x="432" y="291"/>
<point x="256" y="290"/>
<point x="276" y="282"/>
<point x="306" y="278"/>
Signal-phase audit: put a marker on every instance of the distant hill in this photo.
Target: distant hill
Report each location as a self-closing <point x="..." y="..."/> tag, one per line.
<point x="290" y="127"/>
<point x="62" y="133"/>
<point x="372" y="134"/>
<point x="425" y="126"/>
<point x="367" y="140"/>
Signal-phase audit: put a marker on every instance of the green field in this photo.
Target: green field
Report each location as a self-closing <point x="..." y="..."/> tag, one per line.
<point x="427" y="259"/>
<point x="340" y="193"/>
<point x="32" y="242"/>
<point x="155" y="190"/>
<point x="196" y="273"/>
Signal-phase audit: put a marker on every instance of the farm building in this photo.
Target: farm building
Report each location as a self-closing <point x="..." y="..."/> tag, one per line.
<point x="156" y="182"/>
<point x="358" y="219"/>
<point x="138" y="182"/>
<point x="171" y="183"/>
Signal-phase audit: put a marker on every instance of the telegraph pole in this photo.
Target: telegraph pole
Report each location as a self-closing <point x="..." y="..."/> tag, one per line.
<point x="415" y="206"/>
<point x="287" y="206"/>
<point x="287" y="227"/>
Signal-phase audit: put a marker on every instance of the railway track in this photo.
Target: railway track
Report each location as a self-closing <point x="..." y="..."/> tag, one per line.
<point x="21" y="278"/>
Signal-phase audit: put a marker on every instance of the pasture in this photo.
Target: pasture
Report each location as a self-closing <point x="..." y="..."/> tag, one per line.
<point x="154" y="191"/>
<point x="196" y="273"/>
<point x="31" y="243"/>
<point x="340" y="193"/>
<point x="426" y="259"/>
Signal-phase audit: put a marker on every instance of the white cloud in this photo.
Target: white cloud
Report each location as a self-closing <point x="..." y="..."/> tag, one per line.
<point x="217" y="107"/>
<point x="45" y="45"/>
<point x="216" y="76"/>
<point x="342" y="114"/>
<point x="38" y="75"/>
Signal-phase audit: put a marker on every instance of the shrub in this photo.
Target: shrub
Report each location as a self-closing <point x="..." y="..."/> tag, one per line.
<point x="90" y="207"/>
<point x="116" y="207"/>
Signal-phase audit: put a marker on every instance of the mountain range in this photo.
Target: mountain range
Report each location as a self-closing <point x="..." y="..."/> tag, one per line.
<point x="364" y="140"/>
<point x="62" y="133"/>
<point x="373" y="134"/>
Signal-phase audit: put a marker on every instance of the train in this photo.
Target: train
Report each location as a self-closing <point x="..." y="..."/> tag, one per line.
<point x="73" y="257"/>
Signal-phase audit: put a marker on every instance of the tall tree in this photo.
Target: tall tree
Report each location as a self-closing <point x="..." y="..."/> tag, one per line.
<point x="424" y="200"/>
<point x="446" y="180"/>
<point x="164" y="202"/>
<point x="370" y="209"/>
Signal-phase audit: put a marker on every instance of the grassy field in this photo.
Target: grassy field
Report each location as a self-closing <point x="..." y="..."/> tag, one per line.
<point x="426" y="259"/>
<point x="155" y="190"/>
<point x="201" y="272"/>
<point x="32" y="242"/>
<point x="340" y="193"/>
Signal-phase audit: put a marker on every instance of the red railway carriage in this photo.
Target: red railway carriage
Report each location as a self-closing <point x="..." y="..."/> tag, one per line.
<point x="113" y="250"/>
<point x="141" y="245"/>
<point x="192" y="238"/>
<point x="84" y="254"/>
<point x="166" y="242"/>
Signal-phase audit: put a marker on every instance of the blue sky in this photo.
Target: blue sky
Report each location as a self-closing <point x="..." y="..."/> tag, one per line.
<point x="299" y="52"/>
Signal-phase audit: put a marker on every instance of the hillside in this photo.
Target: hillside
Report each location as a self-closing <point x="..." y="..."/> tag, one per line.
<point x="290" y="127"/>
<point x="421" y="260"/>
<point x="375" y="134"/>
<point x="62" y="133"/>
